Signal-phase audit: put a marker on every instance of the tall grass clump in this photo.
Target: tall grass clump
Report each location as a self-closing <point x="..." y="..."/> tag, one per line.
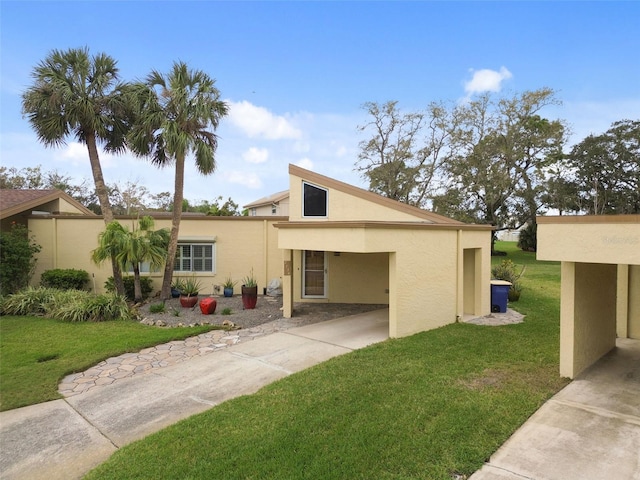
<point x="67" y="305"/>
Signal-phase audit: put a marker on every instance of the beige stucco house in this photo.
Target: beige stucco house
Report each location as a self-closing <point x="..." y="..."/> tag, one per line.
<point x="338" y="244"/>
<point x="600" y="293"/>
<point x="345" y="244"/>
<point x="273" y="205"/>
<point x="16" y="206"/>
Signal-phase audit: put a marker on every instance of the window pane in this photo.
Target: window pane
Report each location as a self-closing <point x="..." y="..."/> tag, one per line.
<point x="194" y="258"/>
<point x="315" y="201"/>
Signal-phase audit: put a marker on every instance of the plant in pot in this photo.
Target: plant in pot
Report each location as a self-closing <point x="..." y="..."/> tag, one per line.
<point x="228" y="286"/>
<point x="176" y="286"/>
<point x="189" y="289"/>
<point x="249" y="291"/>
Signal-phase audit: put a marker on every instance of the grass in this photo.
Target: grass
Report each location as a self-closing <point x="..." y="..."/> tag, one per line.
<point x="36" y="353"/>
<point x="429" y="406"/>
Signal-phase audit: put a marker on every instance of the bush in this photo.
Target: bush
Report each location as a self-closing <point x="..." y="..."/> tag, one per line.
<point x="506" y="270"/>
<point x="146" y="285"/>
<point x="67" y="305"/>
<point x="528" y="240"/>
<point x="17" y="259"/>
<point x="64" y="279"/>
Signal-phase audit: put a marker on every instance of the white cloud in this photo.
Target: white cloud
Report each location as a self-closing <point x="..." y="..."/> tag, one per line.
<point x="246" y="179"/>
<point x="305" y="163"/>
<point x="486" y="80"/>
<point x="77" y="154"/>
<point x="256" y="155"/>
<point x="259" y="122"/>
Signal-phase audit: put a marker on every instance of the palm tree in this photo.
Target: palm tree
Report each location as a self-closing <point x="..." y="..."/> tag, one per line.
<point x="131" y="248"/>
<point x="178" y="116"/>
<point x="76" y="95"/>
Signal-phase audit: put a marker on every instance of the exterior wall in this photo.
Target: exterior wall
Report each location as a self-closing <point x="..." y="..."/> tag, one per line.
<point x="588" y="312"/>
<point x="242" y="244"/>
<point x="422" y="273"/>
<point x="343" y="206"/>
<point x="633" y="308"/>
<point x="282" y="210"/>
<point x="606" y="239"/>
<point x="351" y="278"/>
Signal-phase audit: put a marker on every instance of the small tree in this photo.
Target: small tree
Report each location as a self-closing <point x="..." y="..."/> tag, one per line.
<point x="17" y="261"/>
<point x="130" y="248"/>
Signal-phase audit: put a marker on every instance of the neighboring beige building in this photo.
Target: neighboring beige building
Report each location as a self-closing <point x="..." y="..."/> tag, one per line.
<point x="343" y="244"/>
<point x="273" y="205"/>
<point x="339" y="244"/>
<point x="16" y="206"/>
<point x="600" y="296"/>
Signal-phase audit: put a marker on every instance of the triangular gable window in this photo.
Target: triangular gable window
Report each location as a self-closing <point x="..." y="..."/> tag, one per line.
<point x="314" y="200"/>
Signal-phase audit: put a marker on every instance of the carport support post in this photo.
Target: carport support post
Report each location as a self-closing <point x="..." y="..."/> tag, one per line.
<point x="622" y="302"/>
<point x="287" y="284"/>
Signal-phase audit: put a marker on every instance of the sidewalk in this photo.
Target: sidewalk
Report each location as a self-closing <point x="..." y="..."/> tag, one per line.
<point x="590" y="430"/>
<point x="64" y="439"/>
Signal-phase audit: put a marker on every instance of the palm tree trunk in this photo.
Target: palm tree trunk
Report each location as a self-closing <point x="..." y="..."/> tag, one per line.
<point x="137" y="288"/>
<point x="103" y="198"/>
<point x="178" y="195"/>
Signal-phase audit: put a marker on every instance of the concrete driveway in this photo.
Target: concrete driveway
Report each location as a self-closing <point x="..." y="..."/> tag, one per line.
<point x="64" y="439"/>
<point x="590" y="430"/>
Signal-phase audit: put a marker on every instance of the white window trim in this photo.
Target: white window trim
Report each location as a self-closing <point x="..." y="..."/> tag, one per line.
<point x="326" y="207"/>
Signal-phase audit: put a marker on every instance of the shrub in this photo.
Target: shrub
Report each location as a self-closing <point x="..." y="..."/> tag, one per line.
<point x="506" y="270"/>
<point x="528" y="240"/>
<point x="157" y="308"/>
<point x="68" y="305"/>
<point x="64" y="279"/>
<point x="30" y="301"/>
<point x="226" y="311"/>
<point x="95" y="308"/>
<point x="146" y="285"/>
<point x="17" y="259"/>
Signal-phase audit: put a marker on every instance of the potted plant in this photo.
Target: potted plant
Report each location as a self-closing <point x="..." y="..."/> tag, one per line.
<point x="175" y="288"/>
<point x="249" y="291"/>
<point x="228" y="286"/>
<point x="189" y="289"/>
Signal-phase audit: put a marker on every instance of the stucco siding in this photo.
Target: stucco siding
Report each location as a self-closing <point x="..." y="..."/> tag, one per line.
<point x="342" y="206"/>
<point x="595" y="313"/>
<point x="634" y="302"/>
<point x="590" y="243"/>
<point x="241" y="244"/>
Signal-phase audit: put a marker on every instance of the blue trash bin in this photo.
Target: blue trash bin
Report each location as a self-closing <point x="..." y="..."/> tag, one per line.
<point x="499" y="295"/>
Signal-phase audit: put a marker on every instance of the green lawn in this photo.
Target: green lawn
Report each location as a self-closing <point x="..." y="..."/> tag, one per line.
<point x="423" y="407"/>
<point x="36" y="353"/>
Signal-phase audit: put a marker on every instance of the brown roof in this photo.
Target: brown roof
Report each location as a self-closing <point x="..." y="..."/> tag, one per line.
<point x="13" y="202"/>
<point x="273" y="198"/>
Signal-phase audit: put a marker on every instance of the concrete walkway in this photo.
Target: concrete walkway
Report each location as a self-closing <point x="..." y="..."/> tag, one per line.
<point x="64" y="439"/>
<point x="590" y="430"/>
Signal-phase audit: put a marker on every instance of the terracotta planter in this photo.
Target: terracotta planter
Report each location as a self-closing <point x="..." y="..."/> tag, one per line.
<point x="188" y="301"/>
<point x="208" y="306"/>
<point x="249" y="297"/>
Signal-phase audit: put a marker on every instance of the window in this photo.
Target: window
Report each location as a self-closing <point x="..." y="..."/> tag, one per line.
<point x="314" y="201"/>
<point x="274" y="209"/>
<point x="195" y="257"/>
<point x="254" y="212"/>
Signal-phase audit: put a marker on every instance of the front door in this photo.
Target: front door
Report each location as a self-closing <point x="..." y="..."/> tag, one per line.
<point x="314" y="281"/>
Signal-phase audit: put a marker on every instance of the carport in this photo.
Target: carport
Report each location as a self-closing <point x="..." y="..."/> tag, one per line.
<point x="600" y="296"/>
<point x="343" y="244"/>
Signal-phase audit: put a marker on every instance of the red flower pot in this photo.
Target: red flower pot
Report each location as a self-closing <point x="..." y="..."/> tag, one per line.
<point x="208" y="306"/>
<point x="188" y="301"/>
<point x="249" y="297"/>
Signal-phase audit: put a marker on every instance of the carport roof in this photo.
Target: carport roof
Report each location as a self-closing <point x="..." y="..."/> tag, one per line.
<point x="385" y="225"/>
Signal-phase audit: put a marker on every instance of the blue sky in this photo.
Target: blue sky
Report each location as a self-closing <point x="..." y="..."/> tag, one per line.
<point x="297" y="73"/>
